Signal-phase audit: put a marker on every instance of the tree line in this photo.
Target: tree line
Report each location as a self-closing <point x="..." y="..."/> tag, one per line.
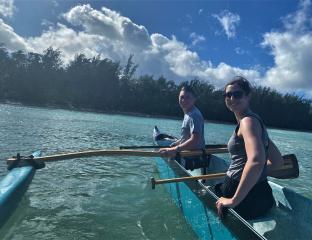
<point x="106" y="85"/>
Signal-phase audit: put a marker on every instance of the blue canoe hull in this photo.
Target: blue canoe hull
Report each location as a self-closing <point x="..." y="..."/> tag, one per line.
<point x="290" y="219"/>
<point x="12" y="188"/>
<point x="197" y="203"/>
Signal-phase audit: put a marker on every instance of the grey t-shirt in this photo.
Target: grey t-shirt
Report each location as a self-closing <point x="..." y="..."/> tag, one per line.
<point x="193" y="122"/>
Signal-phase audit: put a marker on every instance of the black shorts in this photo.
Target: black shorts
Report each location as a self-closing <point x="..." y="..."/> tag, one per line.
<point x="191" y="163"/>
<point x="257" y="202"/>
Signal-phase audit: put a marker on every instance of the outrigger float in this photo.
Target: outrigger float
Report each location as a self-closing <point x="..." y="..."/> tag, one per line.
<point x="291" y="218"/>
<point x="14" y="185"/>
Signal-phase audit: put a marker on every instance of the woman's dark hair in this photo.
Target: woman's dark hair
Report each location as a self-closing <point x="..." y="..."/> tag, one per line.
<point x="189" y="89"/>
<point x="242" y="82"/>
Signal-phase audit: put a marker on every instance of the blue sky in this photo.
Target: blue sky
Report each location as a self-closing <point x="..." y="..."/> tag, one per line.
<point x="269" y="42"/>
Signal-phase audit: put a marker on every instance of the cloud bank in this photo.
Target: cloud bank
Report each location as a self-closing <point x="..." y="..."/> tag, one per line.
<point x="292" y="52"/>
<point x="107" y="33"/>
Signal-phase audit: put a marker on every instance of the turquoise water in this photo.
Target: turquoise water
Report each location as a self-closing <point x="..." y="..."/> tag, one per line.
<point x="107" y="197"/>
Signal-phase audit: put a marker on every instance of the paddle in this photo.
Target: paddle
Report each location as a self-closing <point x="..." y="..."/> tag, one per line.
<point x="156" y="147"/>
<point x="104" y="152"/>
<point x="182" y="179"/>
<point x="290" y="169"/>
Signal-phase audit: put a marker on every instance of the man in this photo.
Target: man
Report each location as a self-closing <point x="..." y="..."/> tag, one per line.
<point x="192" y="130"/>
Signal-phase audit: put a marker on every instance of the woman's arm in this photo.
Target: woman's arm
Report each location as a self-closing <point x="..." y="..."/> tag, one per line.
<point x="275" y="159"/>
<point x="250" y="130"/>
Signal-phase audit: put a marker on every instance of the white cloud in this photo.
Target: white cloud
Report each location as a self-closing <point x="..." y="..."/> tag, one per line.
<point x="47" y="23"/>
<point x="111" y="35"/>
<point x="108" y="24"/>
<point x="69" y="42"/>
<point x="108" y="33"/>
<point x="196" y="38"/>
<point x="6" y="8"/>
<point x="292" y="53"/>
<point x="301" y="20"/>
<point x="229" y="21"/>
<point x="116" y="37"/>
<point x="241" y="51"/>
<point x="10" y="39"/>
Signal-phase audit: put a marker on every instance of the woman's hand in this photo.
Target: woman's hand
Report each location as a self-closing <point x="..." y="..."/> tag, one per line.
<point x="224" y="202"/>
<point x="168" y="152"/>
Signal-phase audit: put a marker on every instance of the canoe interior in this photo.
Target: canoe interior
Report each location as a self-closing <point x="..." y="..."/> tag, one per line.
<point x="290" y="219"/>
<point x="197" y="204"/>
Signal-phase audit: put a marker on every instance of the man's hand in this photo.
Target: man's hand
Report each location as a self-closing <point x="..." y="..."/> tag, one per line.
<point x="168" y="152"/>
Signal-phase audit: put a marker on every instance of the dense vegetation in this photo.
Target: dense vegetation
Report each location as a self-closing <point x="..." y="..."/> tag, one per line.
<point x="102" y="84"/>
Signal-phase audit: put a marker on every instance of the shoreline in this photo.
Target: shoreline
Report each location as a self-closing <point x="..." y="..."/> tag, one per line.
<point x="134" y="114"/>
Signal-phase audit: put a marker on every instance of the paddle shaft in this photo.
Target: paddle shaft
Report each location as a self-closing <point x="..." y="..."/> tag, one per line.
<point x="139" y="153"/>
<point x="156" y="147"/>
<point x="290" y="169"/>
<point x="183" y="179"/>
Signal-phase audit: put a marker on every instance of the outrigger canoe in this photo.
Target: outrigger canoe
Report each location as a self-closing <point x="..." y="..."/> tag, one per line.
<point x="13" y="187"/>
<point x="290" y="218"/>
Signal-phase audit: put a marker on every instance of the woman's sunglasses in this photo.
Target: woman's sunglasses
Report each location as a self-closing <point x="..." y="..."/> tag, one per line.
<point x="235" y="94"/>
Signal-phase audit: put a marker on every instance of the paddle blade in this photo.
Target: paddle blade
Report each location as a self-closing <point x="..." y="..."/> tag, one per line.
<point x="290" y="168"/>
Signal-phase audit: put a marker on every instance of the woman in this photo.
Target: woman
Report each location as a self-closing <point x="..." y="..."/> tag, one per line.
<point x="245" y="187"/>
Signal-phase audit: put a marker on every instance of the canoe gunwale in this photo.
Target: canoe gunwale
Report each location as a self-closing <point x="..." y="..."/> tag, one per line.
<point x="233" y="221"/>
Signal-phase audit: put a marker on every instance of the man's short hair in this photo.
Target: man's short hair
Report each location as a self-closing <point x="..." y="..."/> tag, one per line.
<point x="189" y="89"/>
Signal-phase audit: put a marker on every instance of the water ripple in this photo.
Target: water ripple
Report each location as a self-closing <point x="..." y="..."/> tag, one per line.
<point x="106" y="197"/>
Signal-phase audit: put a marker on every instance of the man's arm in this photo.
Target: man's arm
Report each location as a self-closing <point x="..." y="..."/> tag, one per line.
<point x="191" y="143"/>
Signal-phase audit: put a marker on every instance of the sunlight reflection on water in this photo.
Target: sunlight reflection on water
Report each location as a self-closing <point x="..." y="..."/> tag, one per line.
<point x="107" y="197"/>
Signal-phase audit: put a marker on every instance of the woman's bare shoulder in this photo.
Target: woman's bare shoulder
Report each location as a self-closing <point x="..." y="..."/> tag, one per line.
<point x="250" y="123"/>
